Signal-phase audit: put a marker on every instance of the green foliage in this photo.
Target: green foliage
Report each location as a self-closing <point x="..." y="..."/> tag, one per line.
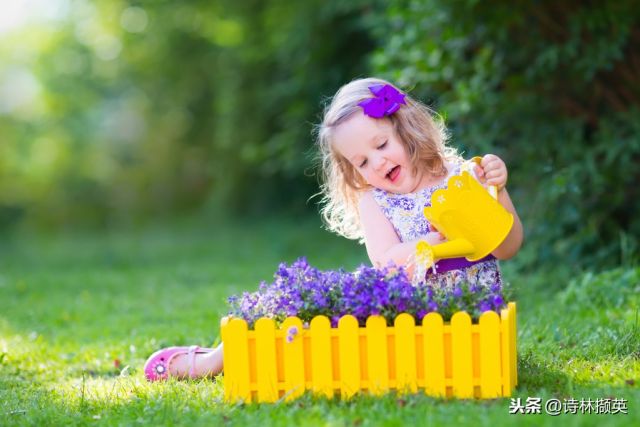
<point x="294" y="55"/>
<point x="118" y="111"/>
<point x="124" y="110"/>
<point x="552" y="87"/>
<point x="617" y="289"/>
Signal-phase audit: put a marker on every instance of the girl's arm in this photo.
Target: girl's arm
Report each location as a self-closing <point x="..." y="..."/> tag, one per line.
<point x="493" y="171"/>
<point x="382" y="243"/>
<point x="511" y="245"/>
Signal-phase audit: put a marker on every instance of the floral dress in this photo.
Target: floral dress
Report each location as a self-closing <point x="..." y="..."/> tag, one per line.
<point x="405" y="212"/>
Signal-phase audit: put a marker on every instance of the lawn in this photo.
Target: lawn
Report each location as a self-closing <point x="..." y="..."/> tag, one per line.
<point x="80" y="312"/>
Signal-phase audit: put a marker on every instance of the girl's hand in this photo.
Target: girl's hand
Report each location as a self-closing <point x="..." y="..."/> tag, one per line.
<point x="492" y="171"/>
<point x="433" y="237"/>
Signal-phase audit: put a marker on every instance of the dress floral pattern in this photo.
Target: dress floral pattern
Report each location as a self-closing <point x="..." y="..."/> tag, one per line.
<point x="405" y="212"/>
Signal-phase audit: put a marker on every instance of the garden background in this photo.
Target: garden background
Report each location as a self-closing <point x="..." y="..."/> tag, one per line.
<point x="157" y="157"/>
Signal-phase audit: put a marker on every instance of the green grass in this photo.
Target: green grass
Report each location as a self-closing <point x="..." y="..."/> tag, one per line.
<point x="80" y="313"/>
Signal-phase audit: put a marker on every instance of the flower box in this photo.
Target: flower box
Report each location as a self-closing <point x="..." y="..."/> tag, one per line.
<point x="444" y="359"/>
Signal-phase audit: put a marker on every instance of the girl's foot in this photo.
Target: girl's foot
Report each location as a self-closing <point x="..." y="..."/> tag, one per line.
<point x="183" y="362"/>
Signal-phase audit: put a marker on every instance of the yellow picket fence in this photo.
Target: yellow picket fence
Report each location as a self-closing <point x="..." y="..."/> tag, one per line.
<point x="453" y="359"/>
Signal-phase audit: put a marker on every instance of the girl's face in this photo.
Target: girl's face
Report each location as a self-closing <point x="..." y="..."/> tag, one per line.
<point x="376" y="152"/>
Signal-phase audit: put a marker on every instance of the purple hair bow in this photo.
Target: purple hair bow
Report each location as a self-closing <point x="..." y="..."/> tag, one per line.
<point x="385" y="102"/>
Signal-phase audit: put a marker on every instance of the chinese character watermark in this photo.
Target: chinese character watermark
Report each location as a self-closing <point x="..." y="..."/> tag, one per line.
<point x="554" y="407"/>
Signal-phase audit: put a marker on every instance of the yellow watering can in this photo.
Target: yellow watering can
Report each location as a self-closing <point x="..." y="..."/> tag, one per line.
<point x="471" y="219"/>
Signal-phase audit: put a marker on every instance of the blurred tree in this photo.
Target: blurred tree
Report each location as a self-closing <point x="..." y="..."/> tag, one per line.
<point x="293" y="54"/>
<point x="115" y="111"/>
<point x="554" y="88"/>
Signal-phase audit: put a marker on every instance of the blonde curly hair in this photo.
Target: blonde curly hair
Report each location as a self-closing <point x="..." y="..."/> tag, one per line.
<point x="419" y="128"/>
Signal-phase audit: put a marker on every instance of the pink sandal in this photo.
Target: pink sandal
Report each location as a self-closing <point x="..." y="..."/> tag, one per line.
<point x="157" y="366"/>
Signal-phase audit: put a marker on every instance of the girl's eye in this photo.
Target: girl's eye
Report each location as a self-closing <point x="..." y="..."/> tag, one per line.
<point x="364" y="163"/>
<point x="381" y="146"/>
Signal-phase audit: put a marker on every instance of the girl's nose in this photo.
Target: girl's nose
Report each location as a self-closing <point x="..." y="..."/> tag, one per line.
<point x="378" y="163"/>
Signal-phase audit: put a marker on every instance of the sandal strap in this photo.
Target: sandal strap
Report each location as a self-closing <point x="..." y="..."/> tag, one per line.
<point x="191" y="355"/>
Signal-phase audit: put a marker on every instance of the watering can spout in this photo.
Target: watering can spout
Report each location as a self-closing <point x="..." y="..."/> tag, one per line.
<point x="451" y="249"/>
<point x="427" y="254"/>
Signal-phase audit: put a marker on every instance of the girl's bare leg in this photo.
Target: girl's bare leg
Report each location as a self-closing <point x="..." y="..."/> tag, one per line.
<point x="206" y="365"/>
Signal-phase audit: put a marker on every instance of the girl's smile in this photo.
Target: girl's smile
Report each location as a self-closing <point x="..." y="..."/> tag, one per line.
<point x="372" y="147"/>
<point x="393" y="173"/>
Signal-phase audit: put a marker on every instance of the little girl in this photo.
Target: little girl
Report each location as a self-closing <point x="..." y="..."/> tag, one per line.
<point x="383" y="156"/>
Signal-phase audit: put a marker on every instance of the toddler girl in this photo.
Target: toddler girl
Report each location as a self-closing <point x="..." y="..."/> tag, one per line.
<point x="383" y="156"/>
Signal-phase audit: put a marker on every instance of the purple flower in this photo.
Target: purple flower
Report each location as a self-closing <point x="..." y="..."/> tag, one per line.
<point x="430" y="292"/>
<point x="282" y="270"/>
<point x="291" y="333"/>
<point x="484" y="306"/>
<point x="304" y="291"/>
<point x="457" y="292"/>
<point x="498" y="302"/>
<point x="334" y="320"/>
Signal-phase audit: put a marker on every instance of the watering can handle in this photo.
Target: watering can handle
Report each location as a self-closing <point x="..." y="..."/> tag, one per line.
<point x="493" y="190"/>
